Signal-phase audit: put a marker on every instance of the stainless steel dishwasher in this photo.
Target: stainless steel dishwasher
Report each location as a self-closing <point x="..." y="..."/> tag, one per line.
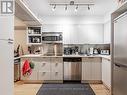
<point x="72" y="69"/>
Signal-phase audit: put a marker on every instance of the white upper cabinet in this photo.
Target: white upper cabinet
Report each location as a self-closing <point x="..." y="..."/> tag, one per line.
<point x="52" y="28"/>
<point x="78" y="34"/>
<point x="90" y="33"/>
<point x="107" y="32"/>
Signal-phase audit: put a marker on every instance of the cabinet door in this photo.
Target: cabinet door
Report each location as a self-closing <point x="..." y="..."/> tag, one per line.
<point x="44" y="65"/>
<point x="91" y="69"/>
<point x="96" y="69"/>
<point x="86" y="69"/>
<point x="34" y="73"/>
<point x="106" y="72"/>
<point x="57" y="69"/>
<point x="56" y="75"/>
<point x="43" y="75"/>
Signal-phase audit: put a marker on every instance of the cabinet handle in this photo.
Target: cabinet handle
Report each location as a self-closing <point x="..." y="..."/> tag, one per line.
<point x="56" y="64"/>
<point x="56" y="73"/>
<point x="10" y="42"/>
<point x="43" y="64"/>
<point x="43" y="73"/>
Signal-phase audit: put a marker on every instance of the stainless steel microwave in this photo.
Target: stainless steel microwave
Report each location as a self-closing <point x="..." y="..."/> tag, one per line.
<point x="52" y="37"/>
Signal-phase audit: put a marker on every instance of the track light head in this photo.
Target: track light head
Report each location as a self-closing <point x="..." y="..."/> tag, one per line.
<point x="88" y="7"/>
<point x="66" y="8"/>
<point x="54" y="7"/>
<point x="76" y="9"/>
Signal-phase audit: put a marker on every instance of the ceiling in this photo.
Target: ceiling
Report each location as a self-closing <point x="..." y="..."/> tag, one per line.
<point x="42" y="7"/>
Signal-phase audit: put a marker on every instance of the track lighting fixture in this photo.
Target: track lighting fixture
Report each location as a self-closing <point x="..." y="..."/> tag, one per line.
<point x="53" y="9"/>
<point x="76" y="9"/>
<point x="72" y="3"/>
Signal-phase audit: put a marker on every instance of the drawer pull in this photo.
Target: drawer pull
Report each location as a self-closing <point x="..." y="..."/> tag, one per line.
<point x="56" y="64"/>
<point x="43" y="73"/>
<point x="56" y="73"/>
<point x="43" y="64"/>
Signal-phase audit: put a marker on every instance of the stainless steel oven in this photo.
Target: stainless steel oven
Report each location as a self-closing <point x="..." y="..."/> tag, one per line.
<point x="16" y="69"/>
<point x="52" y="37"/>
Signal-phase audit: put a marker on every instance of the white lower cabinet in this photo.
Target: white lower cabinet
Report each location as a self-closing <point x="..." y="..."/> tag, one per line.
<point x="91" y="69"/>
<point x="44" y="65"/>
<point x="45" y="69"/>
<point x="44" y="75"/>
<point x="106" y="72"/>
<point x="56" y="68"/>
<point x="34" y="73"/>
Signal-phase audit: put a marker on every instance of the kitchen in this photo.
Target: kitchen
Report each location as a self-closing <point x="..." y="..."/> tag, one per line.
<point x="65" y="47"/>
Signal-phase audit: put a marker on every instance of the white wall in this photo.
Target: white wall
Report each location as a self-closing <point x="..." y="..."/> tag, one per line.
<point x="107" y="28"/>
<point x="76" y="29"/>
<point x="107" y="32"/>
<point x="20" y="36"/>
<point x="72" y="19"/>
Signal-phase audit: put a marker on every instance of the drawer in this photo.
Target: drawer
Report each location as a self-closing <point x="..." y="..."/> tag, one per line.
<point x="44" y="66"/>
<point x="33" y="76"/>
<point x="56" y="76"/>
<point x="44" y="75"/>
<point x="57" y="67"/>
<point x="35" y="66"/>
<point x="91" y="59"/>
<point x="57" y="60"/>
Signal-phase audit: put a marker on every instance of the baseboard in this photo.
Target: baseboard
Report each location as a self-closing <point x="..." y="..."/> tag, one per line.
<point x="40" y="81"/>
<point x="107" y="87"/>
<point x="91" y="81"/>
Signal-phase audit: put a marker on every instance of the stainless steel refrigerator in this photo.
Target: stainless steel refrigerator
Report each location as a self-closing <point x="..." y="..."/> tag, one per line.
<point x="120" y="56"/>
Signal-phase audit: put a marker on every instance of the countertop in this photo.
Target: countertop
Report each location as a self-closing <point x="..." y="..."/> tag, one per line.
<point x="40" y="55"/>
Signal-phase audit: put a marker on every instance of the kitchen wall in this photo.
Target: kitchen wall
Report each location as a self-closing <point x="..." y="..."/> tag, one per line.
<point x="107" y="27"/>
<point x="107" y="32"/>
<point x="20" y="36"/>
<point x="64" y="20"/>
<point x="76" y="29"/>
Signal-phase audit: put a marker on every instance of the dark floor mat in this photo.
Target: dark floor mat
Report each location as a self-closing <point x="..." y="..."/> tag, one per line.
<point x="65" y="89"/>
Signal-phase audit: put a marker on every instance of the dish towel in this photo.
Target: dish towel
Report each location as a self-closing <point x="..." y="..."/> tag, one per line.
<point x="26" y="70"/>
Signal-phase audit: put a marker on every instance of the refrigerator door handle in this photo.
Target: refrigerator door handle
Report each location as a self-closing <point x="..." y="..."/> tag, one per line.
<point x="7" y="39"/>
<point x="120" y="65"/>
<point x="10" y="41"/>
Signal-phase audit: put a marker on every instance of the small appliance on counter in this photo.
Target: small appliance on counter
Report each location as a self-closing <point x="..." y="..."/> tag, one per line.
<point x="105" y="52"/>
<point x="91" y="50"/>
<point x="73" y="50"/>
<point x="95" y="51"/>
